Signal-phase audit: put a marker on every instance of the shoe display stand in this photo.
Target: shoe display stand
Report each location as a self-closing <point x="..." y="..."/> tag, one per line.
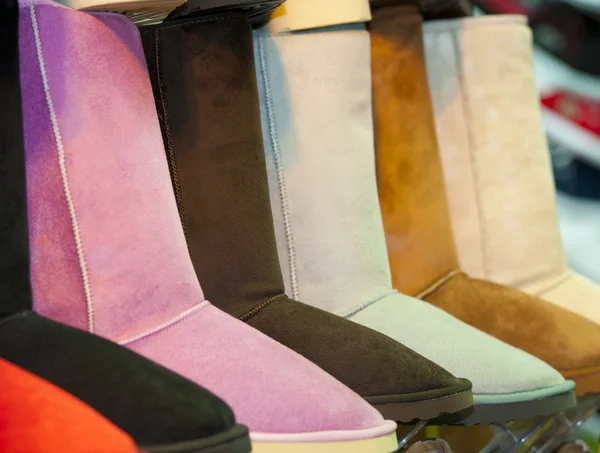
<point x="430" y="446"/>
<point x="543" y="435"/>
<point x="539" y="435"/>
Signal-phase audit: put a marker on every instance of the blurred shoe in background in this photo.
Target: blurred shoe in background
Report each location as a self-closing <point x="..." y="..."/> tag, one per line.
<point x="567" y="45"/>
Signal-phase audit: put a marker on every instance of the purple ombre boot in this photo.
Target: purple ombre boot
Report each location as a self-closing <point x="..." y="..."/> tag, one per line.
<point x="109" y="253"/>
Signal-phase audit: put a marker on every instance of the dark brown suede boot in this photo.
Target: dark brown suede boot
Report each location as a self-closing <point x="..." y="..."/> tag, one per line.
<point x="204" y="82"/>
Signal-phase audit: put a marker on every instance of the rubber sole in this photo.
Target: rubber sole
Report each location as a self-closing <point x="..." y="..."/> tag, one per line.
<point x="587" y="380"/>
<point x="383" y="444"/>
<point x="236" y="440"/>
<point x="152" y="12"/>
<point x="439" y="406"/>
<point x="522" y="410"/>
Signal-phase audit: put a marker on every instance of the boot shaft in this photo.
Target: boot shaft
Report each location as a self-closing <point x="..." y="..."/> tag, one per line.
<point x="204" y="84"/>
<point x="315" y="90"/>
<point x="14" y="248"/>
<point x="409" y="170"/>
<point x="102" y="213"/>
<point x="494" y="152"/>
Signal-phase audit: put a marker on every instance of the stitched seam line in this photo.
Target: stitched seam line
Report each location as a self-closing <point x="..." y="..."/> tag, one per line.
<point x="361" y="307"/>
<point x="563" y="279"/>
<point x="63" y="170"/>
<point x="173" y="168"/>
<point x="280" y="172"/>
<point x="438" y="283"/>
<point x="472" y="154"/>
<point x="259" y="307"/>
<point x="171" y="322"/>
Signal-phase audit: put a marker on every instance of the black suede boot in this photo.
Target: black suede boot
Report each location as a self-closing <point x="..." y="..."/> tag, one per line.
<point x="204" y="83"/>
<point x="15" y="290"/>
<point x="162" y="411"/>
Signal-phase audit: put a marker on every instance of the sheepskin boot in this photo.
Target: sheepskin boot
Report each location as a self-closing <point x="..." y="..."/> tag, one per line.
<point x="149" y="12"/>
<point x="108" y="250"/>
<point x="36" y="416"/>
<point x="502" y="205"/>
<point x="318" y="128"/>
<point x="159" y="409"/>
<point x="204" y="81"/>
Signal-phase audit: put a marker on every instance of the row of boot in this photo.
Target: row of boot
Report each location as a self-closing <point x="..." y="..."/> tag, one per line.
<point x="215" y="235"/>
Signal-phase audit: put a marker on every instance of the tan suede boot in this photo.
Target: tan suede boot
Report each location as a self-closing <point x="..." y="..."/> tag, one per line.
<point x="417" y="223"/>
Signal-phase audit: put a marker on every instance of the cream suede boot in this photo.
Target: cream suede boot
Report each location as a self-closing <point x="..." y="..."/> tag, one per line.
<point x="496" y="161"/>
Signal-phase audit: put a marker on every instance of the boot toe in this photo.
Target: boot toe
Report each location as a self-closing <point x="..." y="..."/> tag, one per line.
<point x="566" y="341"/>
<point x="489" y="363"/>
<point x="271" y="388"/>
<point x="152" y="404"/>
<point x="370" y="363"/>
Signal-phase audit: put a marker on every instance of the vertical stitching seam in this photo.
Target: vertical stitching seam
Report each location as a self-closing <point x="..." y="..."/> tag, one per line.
<point x="171" y="160"/>
<point x="63" y="170"/>
<point x="472" y="152"/>
<point x="280" y="172"/>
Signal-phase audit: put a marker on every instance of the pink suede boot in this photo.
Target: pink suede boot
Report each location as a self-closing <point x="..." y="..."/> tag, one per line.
<point x="108" y="250"/>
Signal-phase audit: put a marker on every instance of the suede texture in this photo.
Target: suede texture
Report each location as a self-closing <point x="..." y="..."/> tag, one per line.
<point x="203" y="79"/>
<point x="206" y="93"/>
<point x="152" y="404"/>
<point x="36" y="416"/>
<point x="328" y="225"/>
<point x="75" y="74"/>
<point x="478" y="158"/>
<point x="495" y="222"/>
<point x="321" y="167"/>
<point x="412" y="194"/>
<point x="515" y="226"/>
<point x="15" y="291"/>
<point x="129" y="277"/>
<point x="574" y="341"/>
<point x="370" y="363"/>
